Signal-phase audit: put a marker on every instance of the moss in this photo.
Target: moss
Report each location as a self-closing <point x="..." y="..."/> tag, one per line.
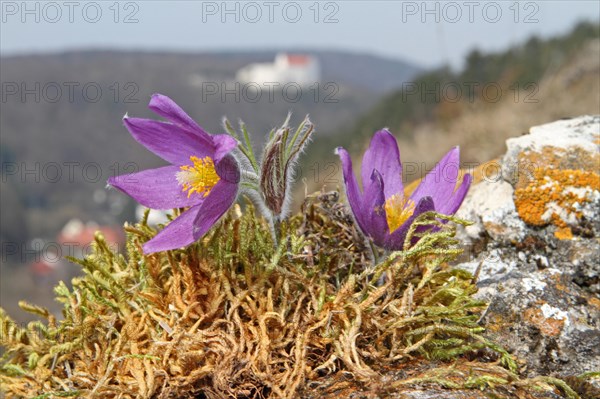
<point x="235" y="316"/>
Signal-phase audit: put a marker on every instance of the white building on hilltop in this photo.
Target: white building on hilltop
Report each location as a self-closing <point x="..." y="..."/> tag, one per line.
<point x="301" y="69"/>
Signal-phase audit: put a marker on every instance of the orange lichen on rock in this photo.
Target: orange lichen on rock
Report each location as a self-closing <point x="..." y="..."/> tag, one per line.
<point x="548" y="326"/>
<point x="564" y="233"/>
<point x="554" y="196"/>
<point x="559" y="282"/>
<point x="595" y="302"/>
<point x="555" y="158"/>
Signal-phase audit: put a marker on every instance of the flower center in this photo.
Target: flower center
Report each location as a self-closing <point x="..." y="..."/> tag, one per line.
<point x="398" y="210"/>
<point x="199" y="178"/>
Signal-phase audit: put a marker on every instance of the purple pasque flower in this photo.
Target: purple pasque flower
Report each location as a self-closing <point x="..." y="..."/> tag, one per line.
<point x="203" y="175"/>
<point x="381" y="210"/>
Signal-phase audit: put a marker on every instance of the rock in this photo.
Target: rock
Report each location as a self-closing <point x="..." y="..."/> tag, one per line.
<point x="564" y="144"/>
<point x="538" y="249"/>
<point x="491" y="207"/>
<point x="542" y="316"/>
<point x="554" y="171"/>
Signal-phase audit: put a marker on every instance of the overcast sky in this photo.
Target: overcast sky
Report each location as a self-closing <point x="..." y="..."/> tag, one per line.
<point x="426" y="33"/>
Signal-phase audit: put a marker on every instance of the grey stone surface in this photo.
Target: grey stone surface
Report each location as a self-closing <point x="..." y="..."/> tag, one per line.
<point x="566" y="135"/>
<point x="489" y="205"/>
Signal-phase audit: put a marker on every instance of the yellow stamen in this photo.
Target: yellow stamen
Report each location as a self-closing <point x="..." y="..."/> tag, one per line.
<point x="398" y="210"/>
<point x="199" y="178"/>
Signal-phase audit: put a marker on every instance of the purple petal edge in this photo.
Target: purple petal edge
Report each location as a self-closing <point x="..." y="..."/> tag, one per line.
<point x="450" y="207"/>
<point x="170" y="142"/>
<point x="220" y="199"/>
<point x="155" y="188"/>
<point x="224" y="144"/>
<point x="353" y="194"/>
<point x="375" y="219"/>
<point x="440" y="182"/>
<point x="196" y="221"/>
<point x="168" y="109"/>
<point x="179" y="233"/>
<point x="383" y="156"/>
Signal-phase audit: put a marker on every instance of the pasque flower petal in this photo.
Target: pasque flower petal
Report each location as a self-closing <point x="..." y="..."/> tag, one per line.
<point x="170" y="142"/>
<point x="179" y="233"/>
<point x="352" y="191"/>
<point x="440" y="182"/>
<point x="383" y="156"/>
<point x="196" y="221"/>
<point x="155" y="188"/>
<point x="450" y="207"/>
<point x="229" y="170"/>
<point x="224" y="144"/>
<point x="220" y="199"/>
<point x="168" y="109"/>
<point x="373" y="208"/>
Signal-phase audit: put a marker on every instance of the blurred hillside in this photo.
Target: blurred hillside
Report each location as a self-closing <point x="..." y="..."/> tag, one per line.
<point x="496" y="96"/>
<point x="62" y="130"/>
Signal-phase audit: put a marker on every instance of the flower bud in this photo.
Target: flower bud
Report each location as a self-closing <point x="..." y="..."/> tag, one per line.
<point x="279" y="158"/>
<point x="273" y="177"/>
